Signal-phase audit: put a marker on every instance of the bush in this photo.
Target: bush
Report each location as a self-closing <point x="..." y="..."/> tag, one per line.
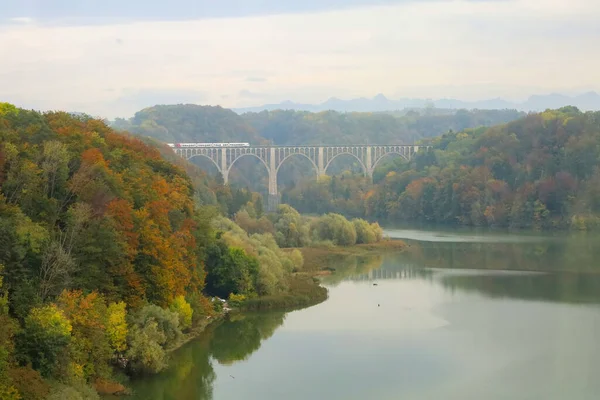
<point x="364" y="233"/>
<point x="184" y="311"/>
<point x="291" y="227"/>
<point x="201" y="307"/>
<point x="297" y="260"/>
<point x="74" y="391"/>
<point x="367" y="233"/>
<point x="217" y="305"/>
<point x="336" y="228"/>
<point x="236" y="300"/>
<point x="146" y="353"/>
<point x="167" y="322"/>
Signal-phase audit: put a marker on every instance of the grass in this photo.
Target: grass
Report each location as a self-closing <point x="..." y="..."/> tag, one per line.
<point x="316" y="259"/>
<point x="304" y="291"/>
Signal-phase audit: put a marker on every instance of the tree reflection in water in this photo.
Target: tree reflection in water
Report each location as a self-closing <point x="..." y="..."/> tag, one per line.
<point x="191" y="374"/>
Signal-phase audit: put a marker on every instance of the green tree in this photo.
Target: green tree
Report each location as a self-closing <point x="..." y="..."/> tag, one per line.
<point x="45" y="336"/>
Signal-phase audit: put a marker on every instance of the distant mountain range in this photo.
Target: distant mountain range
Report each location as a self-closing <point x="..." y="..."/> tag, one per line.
<point x="585" y="102"/>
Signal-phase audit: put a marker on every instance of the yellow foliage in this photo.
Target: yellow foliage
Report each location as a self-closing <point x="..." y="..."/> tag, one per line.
<point x="9" y="392"/>
<point x="52" y="319"/>
<point x="7" y="108"/>
<point x="183" y="310"/>
<point x="235" y="300"/>
<point x="76" y="370"/>
<point x="116" y="326"/>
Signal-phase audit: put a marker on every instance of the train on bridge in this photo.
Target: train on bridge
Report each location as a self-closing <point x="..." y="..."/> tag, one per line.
<point x="194" y="145"/>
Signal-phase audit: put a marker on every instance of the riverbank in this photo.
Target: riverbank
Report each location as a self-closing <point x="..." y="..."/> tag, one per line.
<point x="196" y="331"/>
<point x="304" y="291"/>
<point x="317" y="259"/>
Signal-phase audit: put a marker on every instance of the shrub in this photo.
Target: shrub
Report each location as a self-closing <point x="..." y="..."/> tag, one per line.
<point x="201" y="307"/>
<point x="167" y="322"/>
<point x="364" y="233"/>
<point x="78" y="390"/>
<point x="146" y="353"/>
<point x="336" y="228"/>
<point x="236" y="300"/>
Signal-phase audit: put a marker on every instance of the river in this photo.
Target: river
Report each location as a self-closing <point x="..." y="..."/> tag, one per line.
<point x="461" y="314"/>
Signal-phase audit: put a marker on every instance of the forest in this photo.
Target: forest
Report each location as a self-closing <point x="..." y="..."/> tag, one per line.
<point x="487" y="168"/>
<point x="110" y="253"/>
<point x="539" y="172"/>
<point x="194" y="123"/>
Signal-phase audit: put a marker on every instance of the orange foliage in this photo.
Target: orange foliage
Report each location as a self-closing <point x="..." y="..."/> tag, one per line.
<point x="415" y="188"/>
<point x="160" y="187"/>
<point x="122" y="213"/>
<point x="93" y="156"/>
<point x="159" y="212"/>
<point x="138" y="149"/>
<point x="82" y="311"/>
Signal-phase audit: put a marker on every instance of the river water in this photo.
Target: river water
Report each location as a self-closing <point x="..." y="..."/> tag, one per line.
<point x="459" y="315"/>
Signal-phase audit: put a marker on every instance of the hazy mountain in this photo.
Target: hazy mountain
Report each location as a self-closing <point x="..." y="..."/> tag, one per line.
<point x="586" y="101"/>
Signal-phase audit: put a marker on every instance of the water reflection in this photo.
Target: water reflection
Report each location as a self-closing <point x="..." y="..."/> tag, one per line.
<point x="578" y="252"/>
<point x="559" y="287"/>
<point x="438" y="296"/>
<point x="191" y="374"/>
<point x="242" y="335"/>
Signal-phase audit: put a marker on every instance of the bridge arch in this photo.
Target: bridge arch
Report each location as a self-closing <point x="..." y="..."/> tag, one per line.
<point x="312" y="162"/>
<point x="386" y="155"/>
<point x="239" y="157"/>
<point x="206" y="157"/>
<point x="362" y="164"/>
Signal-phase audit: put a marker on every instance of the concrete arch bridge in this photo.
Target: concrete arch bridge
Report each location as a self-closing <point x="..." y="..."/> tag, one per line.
<point x="273" y="157"/>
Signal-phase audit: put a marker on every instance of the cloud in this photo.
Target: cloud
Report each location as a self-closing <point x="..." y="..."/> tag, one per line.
<point x="251" y="95"/>
<point x="21" y="20"/>
<point x="76" y="12"/>
<point x="425" y="49"/>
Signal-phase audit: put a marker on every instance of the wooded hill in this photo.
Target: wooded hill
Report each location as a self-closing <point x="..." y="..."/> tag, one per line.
<point x="105" y="248"/>
<point x="193" y="123"/>
<point x="539" y="171"/>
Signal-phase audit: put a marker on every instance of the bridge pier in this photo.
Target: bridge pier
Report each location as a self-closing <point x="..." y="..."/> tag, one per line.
<point x="273" y="200"/>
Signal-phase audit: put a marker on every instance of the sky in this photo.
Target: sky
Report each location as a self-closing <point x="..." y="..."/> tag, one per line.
<point x="110" y="58"/>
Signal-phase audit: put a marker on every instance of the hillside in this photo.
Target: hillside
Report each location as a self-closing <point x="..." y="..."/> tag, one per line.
<point x="104" y="254"/>
<point x="191" y="123"/>
<point x="540" y="171"/>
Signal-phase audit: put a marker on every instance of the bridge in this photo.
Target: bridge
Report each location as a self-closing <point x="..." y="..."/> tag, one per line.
<point x="273" y="157"/>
